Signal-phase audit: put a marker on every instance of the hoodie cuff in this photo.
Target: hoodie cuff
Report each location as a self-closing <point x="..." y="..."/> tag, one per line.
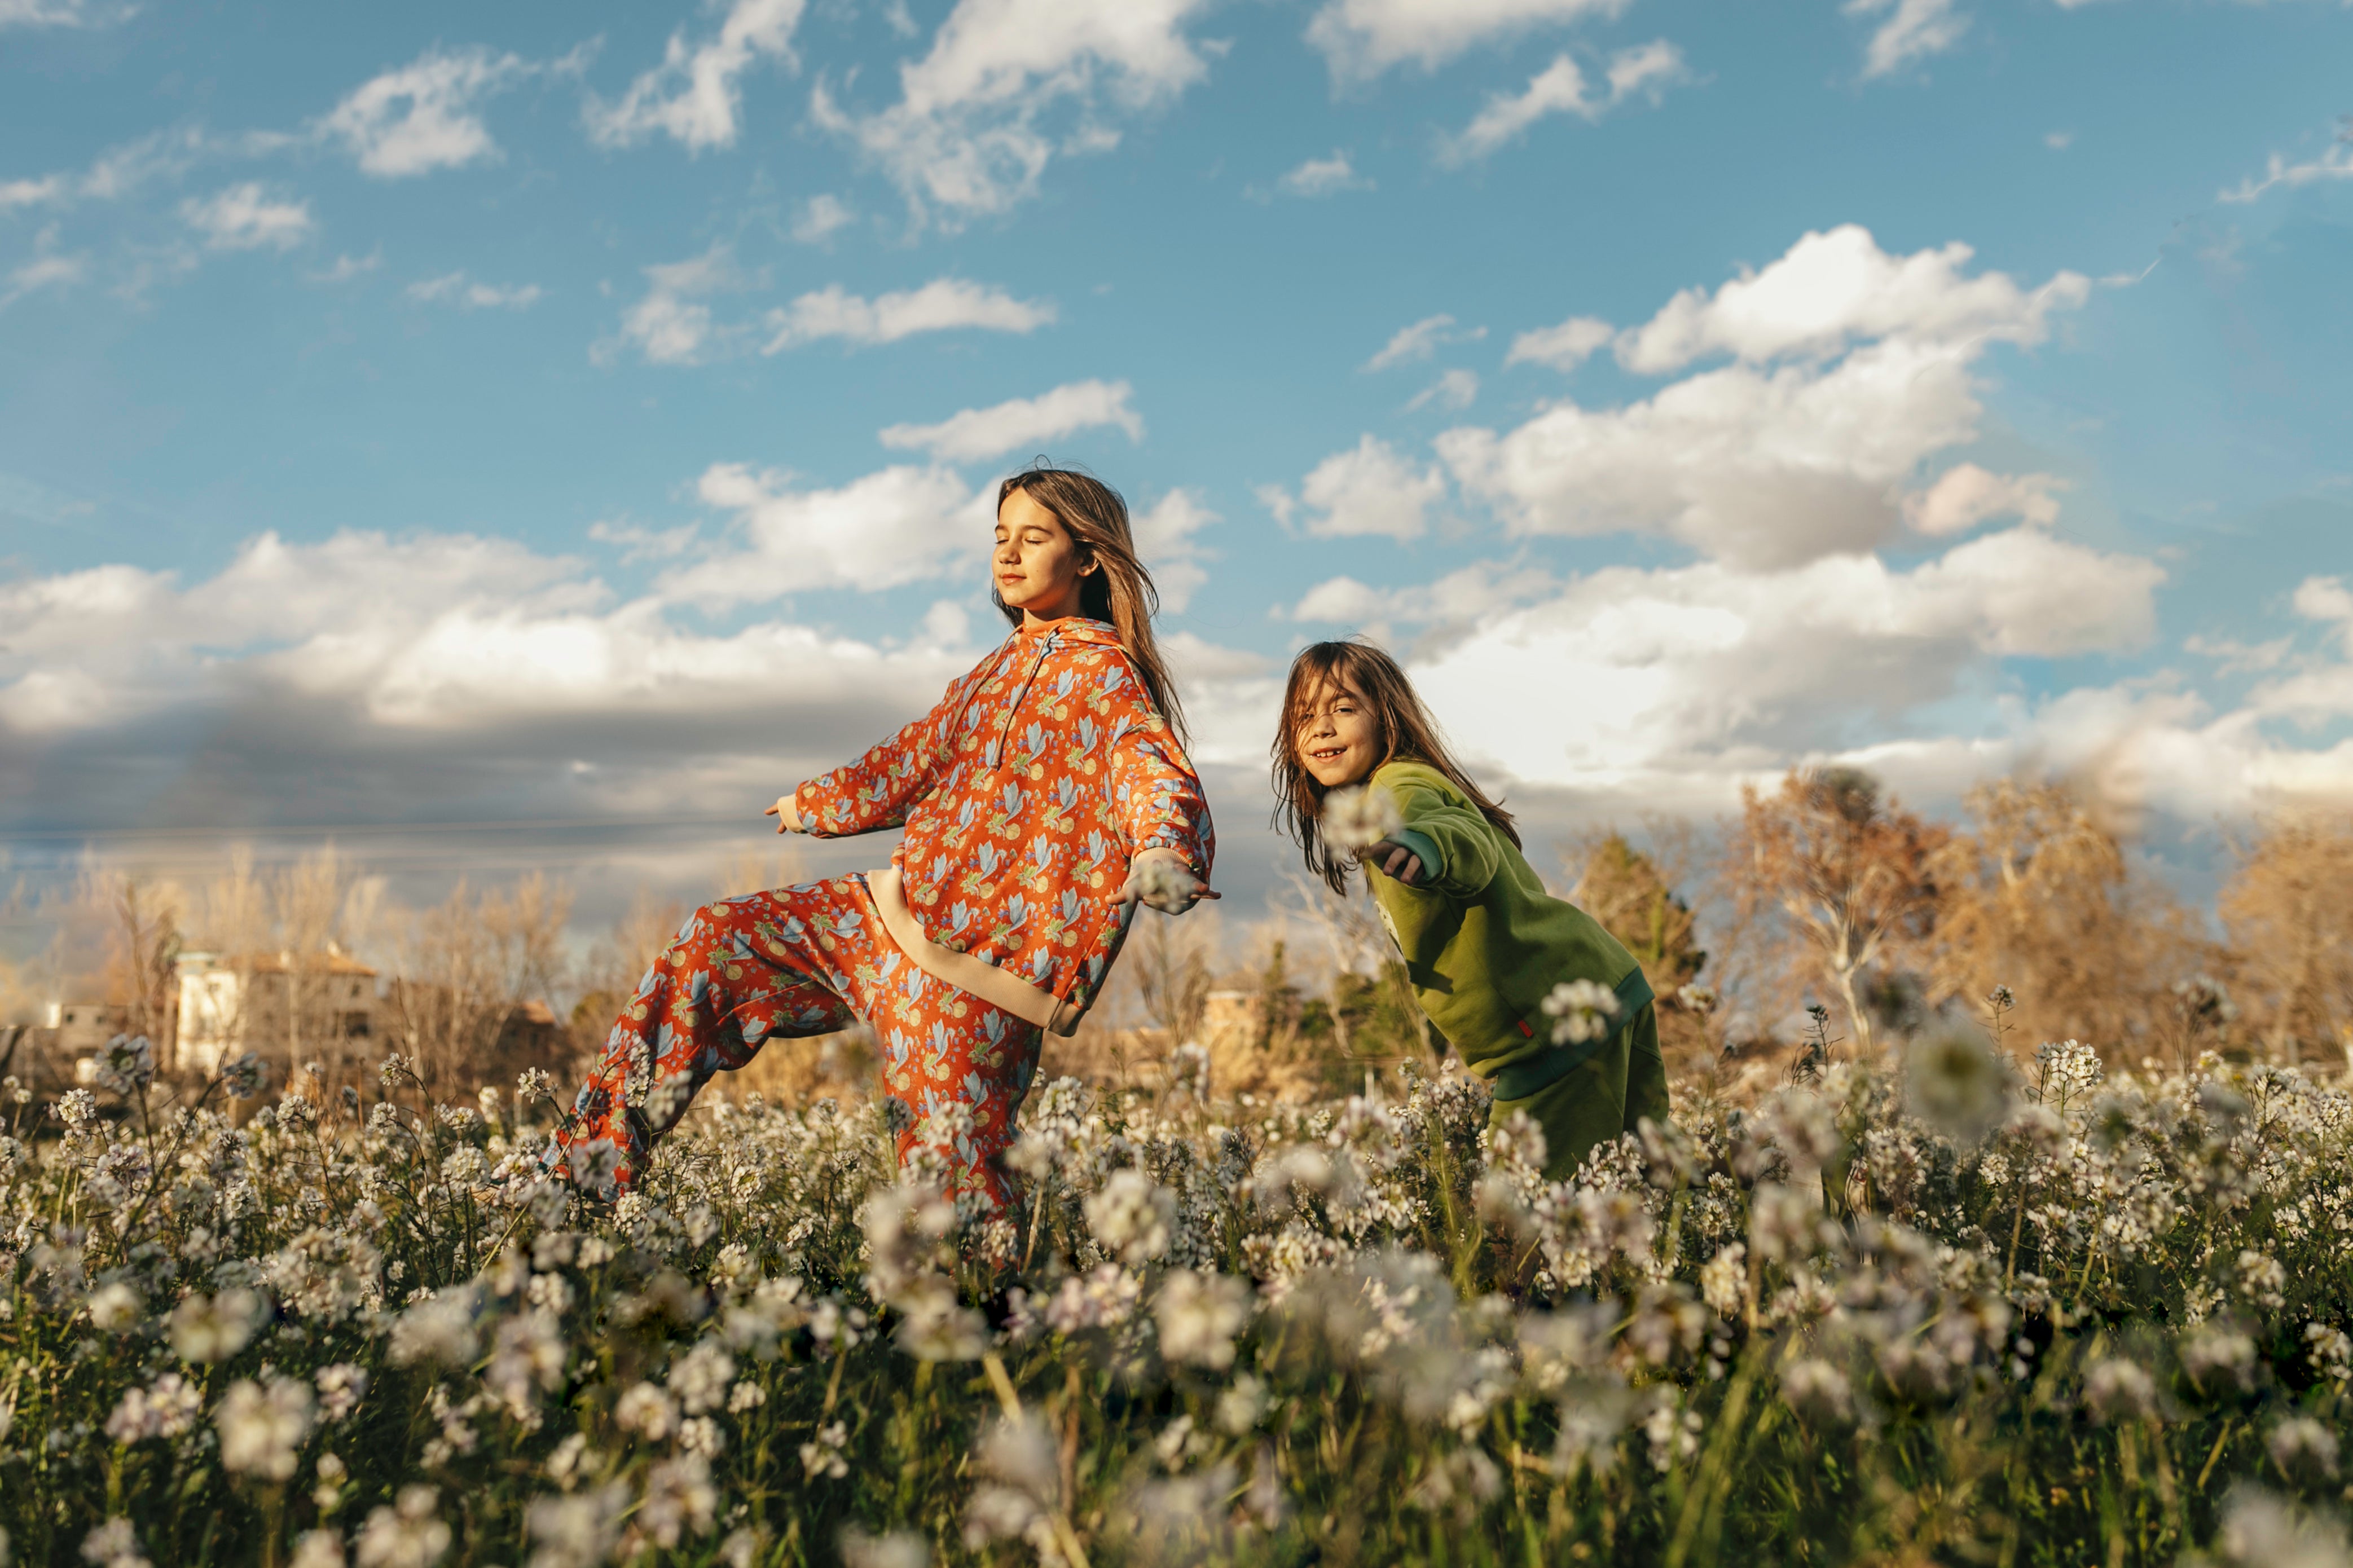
<point x="1433" y="864"/>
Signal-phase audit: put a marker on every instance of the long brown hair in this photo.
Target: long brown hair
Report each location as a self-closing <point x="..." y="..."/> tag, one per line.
<point x="1405" y="731"/>
<point x="1121" y="591"/>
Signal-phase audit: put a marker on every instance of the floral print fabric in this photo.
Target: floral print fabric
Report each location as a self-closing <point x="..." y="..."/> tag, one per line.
<point x="1025" y="793"/>
<point x="798" y="962"/>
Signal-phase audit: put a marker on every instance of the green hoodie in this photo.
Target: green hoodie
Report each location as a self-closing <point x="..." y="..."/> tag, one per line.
<point x="1484" y="945"/>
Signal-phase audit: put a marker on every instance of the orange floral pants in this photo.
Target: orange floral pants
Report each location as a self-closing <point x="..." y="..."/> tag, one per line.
<point x="799" y="962"/>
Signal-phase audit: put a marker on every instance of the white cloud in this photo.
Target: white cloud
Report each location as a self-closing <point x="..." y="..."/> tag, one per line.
<point x="1362" y="38"/>
<point x="969" y="135"/>
<point x="44" y="270"/>
<point x="1022" y="422"/>
<point x="1561" y="88"/>
<point x="1456" y="390"/>
<point x="246" y="218"/>
<point x="945" y="304"/>
<point x="315" y="645"/>
<point x="62" y="13"/>
<point x="887" y="528"/>
<point x="671" y="325"/>
<point x="1564" y="347"/>
<point x="346" y="267"/>
<point x="2334" y="163"/>
<point x="2059" y="141"/>
<point x="15" y="193"/>
<point x="821" y="216"/>
<point x="1368" y="489"/>
<point x="1835" y="287"/>
<point x="453" y="288"/>
<point x="1966" y="495"/>
<point x="1420" y="340"/>
<point x="1766" y="464"/>
<point x="2324" y="599"/>
<point x="694" y="95"/>
<point x="420" y="118"/>
<point x="1324" y="178"/>
<point x="1689" y="678"/>
<point x="1453" y="604"/>
<point x="1914" y="29"/>
<point x="1165" y="538"/>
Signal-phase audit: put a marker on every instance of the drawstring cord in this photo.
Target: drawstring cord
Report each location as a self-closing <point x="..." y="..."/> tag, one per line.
<point x="996" y="752"/>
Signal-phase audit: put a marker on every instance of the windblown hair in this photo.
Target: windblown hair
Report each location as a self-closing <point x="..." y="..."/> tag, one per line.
<point x="1120" y="590"/>
<point x="1404" y="731"/>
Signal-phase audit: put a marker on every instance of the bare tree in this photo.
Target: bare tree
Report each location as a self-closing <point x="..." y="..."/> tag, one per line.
<point x="1173" y="961"/>
<point x="1847" y="875"/>
<point x="2289" y="909"/>
<point x="2042" y="897"/>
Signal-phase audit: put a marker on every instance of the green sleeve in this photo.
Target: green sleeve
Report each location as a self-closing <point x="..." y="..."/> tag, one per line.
<point x="1464" y="840"/>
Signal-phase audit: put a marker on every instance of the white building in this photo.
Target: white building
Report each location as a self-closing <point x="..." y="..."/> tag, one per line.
<point x="283" y="1004"/>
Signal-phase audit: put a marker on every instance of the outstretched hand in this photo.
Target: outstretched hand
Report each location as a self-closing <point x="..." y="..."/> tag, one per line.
<point x="1395" y="858"/>
<point x="1159" y="877"/>
<point x="787" y="813"/>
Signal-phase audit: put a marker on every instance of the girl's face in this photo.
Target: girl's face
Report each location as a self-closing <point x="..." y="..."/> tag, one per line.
<point x="1337" y="737"/>
<point x="1037" y="565"/>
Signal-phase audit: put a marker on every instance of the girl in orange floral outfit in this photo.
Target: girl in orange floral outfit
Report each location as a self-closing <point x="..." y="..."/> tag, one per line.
<point x="1044" y="798"/>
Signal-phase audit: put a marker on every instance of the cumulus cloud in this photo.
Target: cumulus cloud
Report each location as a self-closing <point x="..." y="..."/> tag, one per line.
<point x="246" y="218"/>
<point x="62" y="13"/>
<point x="694" y="96"/>
<point x="1371" y="489"/>
<point x="1420" y="340"/>
<point x="1324" y="178"/>
<point x="1561" y="88"/>
<point x="1167" y="538"/>
<point x="885" y="530"/>
<point x="1564" y="347"/>
<point x="1966" y="495"/>
<point x="1456" y="390"/>
<point x="945" y="304"/>
<point x="455" y="289"/>
<point x="1836" y="287"/>
<point x="673" y="323"/>
<point x="820" y="217"/>
<point x="1007" y="84"/>
<point x="1771" y="463"/>
<point x="1022" y="422"/>
<point x="1362" y="38"/>
<point x="421" y="117"/>
<point x="1686" y="678"/>
<point x="1913" y="30"/>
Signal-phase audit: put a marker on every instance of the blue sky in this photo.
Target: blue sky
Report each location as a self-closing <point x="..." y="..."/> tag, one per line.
<point x="429" y="414"/>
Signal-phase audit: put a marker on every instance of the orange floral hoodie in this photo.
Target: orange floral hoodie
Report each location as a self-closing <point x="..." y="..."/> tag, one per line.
<point x="1025" y="793"/>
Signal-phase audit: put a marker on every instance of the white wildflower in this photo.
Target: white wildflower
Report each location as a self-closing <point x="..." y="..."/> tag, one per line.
<point x="1198" y="1315"/>
<point x="114" y="1545"/>
<point x="260" y="1429"/>
<point x="114" y="1308"/>
<point x="679" y="1499"/>
<point x="1131" y="1216"/>
<point x="410" y="1534"/>
<point x="1580" y="1011"/>
<point x="647" y="1411"/>
<point x="215" y="1328"/>
<point x="166" y="1409"/>
<point x="1359" y="817"/>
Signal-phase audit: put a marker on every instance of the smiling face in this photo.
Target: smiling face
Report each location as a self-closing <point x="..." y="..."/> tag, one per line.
<point x="1038" y="567"/>
<point x="1338" y="738"/>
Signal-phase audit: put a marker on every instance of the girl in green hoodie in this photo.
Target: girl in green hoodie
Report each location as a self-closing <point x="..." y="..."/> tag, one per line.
<point x="1537" y="997"/>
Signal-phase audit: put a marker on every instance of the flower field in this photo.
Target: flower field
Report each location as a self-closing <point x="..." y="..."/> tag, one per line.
<point x="1951" y="1312"/>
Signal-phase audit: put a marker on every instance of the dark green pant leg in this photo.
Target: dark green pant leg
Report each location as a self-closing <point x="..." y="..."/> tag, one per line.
<point x="1596" y="1100"/>
<point x="1646" y="1071"/>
